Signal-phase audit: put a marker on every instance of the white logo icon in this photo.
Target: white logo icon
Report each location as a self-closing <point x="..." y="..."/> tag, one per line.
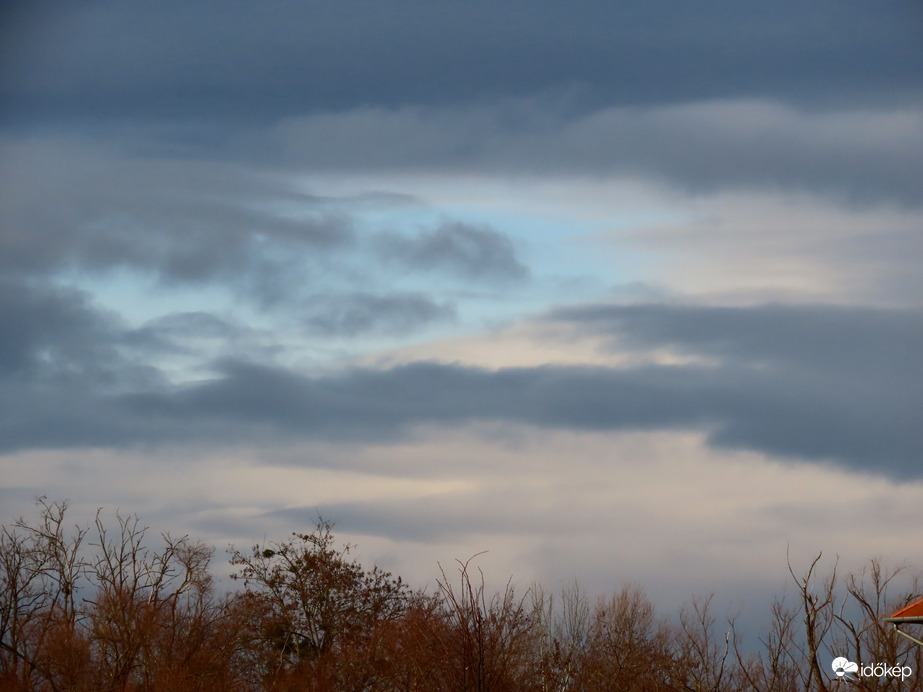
<point x="842" y="665"/>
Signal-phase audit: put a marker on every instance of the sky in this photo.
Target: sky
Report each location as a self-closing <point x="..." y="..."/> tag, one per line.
<point x="614" y="291"/>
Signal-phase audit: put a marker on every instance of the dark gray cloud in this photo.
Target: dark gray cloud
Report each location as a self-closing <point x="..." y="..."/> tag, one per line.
<point x="824" y="98"/>
<point x="102" y="60"/>
<point x="841" y="382"/>
<point x="469" y="250"/>
<point x="820" y="382"/>
<point x="182" y="102"/>
<point x="61" y="362"/>
<point x="64" y="205"/>
<point x="854" y="341"/>
<point x="57" y="337"/>
<point x="363" y="313"/>
<point x="860" y="156"/>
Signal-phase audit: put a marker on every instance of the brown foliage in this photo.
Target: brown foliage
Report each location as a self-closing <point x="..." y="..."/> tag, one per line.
<point x="628" y="647"/>
<point x="314" y="603"/>
<point x="486" y="639"/>
<point x="94" y="608"/>
<point x="126" y="617"/>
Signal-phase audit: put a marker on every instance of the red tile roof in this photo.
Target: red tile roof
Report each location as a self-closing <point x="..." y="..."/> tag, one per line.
<point x="914" y="610"/>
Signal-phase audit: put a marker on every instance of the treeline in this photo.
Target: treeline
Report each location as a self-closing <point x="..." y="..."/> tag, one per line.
<point x="99" y="608"/>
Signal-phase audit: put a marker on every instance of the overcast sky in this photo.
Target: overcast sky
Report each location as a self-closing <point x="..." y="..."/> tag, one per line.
<point x="616" y="291"/>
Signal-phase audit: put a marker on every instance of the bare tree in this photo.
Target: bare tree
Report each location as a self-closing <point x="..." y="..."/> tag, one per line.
<point x="779" y="668"/>
<point x="43" y="571"/>
<point x="123" y="617"/>
<point x="561" y="633"/>
<point x="817" y="596"/>
<point x="703" y="652"/>
<point x="20" y="600"/>
<point x="110" y="608"/>
<point x="863" y="636"/>
<point x="488" y="640"/>
<point x="629" y="647"/>
<point x="311" y="597"/>
<point x="152" y="607"/>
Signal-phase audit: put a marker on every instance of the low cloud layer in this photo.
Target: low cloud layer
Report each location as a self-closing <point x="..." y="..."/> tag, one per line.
<point x="815" y="382"/>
